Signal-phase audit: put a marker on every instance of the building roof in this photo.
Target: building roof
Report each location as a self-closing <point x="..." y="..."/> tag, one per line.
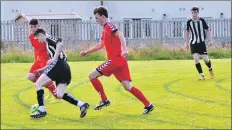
<point x="48" y="16"/>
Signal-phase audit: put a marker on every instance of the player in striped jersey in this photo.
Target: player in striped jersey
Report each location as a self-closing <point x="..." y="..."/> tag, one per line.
<point x="198" y="28"/>
<point x="57" y="70"/>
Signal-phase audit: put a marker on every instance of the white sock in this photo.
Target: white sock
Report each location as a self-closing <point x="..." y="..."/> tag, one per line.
<point x="42" y="108"/>
<point x="80" y="103"/>
<point x="202" y="74"/>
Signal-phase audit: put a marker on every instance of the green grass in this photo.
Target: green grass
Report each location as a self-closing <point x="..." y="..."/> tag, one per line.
<point x="148" y="52"/>
<point x="181" y="101"/>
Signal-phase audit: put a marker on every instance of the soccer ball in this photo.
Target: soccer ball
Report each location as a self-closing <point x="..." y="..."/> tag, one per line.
<point x="34" y="108"/>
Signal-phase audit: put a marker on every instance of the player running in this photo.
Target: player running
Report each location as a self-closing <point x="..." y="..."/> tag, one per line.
<point x="116" y="64"/>
<point x="57" y="70"/>
<point x="198" y="28"/>
<point x="40" y="57"/>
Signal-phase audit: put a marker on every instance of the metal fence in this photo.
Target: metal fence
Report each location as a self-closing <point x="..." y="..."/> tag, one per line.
<point x="135" y="31"/>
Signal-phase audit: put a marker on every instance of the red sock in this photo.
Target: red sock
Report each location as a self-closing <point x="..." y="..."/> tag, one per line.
<point x="138" y="94"/>
<point x="99" y="88"/>
<point x="51" y="87"/>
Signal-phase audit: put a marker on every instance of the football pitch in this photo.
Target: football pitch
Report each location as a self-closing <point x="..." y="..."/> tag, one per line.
<point x="181" y="101"/>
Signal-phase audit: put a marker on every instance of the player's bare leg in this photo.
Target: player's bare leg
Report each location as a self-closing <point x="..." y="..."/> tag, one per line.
<point x="33" y="77"/>
<point x="198" y="66"/>
<point x="99" y="88"/>
<point x="71" y="99"/>
<point x="139" y="95"/>
<point x="208" y="63"/>
<point x="43" y="80"/>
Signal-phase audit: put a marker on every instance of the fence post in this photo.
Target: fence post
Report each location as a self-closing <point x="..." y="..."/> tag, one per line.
<point x="161" y="31"/>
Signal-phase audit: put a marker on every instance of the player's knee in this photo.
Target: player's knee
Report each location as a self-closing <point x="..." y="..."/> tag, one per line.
<point x="59" y="95"/>
<point x="127" y="85"/>
<point x="196" y="58"/>
<point x="91" y="76"/>
<point x="205" y="58"/>
<point x="31" y="77"/>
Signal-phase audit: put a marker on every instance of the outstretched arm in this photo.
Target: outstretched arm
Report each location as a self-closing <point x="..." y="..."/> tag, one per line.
<point x="97" y="47"/>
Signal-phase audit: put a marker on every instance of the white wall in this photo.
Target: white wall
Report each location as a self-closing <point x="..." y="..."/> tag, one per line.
<point x="118" y="9"/>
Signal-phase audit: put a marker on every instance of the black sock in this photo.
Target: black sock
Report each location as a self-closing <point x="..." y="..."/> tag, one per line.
<point x="199" y="69"/>
<point x="40" y="97"/>
<point x="209" y="65"/>
<point x="69" y="98"/>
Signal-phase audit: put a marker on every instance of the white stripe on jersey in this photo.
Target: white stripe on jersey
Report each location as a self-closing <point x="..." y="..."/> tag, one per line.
<point x="52" y="38"/>
<point x="112" y="26"/>
<point x="194" y="39"/>
<point x="202" y="30"/>
<point x="198" y="37"/>
<point x="53" y="49"/>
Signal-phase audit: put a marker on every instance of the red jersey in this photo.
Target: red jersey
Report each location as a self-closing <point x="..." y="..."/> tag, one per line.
<point x="111" y="41"/>
<point x="40" y="50"/>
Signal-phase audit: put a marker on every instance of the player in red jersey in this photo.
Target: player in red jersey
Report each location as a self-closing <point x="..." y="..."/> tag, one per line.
<point x="115" y="45"/>
<point x="40" y="57"/>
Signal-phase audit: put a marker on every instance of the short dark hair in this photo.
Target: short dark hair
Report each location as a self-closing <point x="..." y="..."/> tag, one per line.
<point x="101" y="10"/>
<point x="195" y="9"/>
<point x="34" y="21"/>
<point x="39" y="30"/>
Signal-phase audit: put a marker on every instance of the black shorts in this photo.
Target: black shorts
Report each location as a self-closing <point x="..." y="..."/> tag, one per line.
<point x="199" y="48"/>
<point x="59" y="71"/>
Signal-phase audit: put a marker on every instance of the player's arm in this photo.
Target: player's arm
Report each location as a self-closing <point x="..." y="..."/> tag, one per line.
<point x="32" y="48"/>
<point x="123" y="43"/>
<point x="59" y="48"/>
<point x="207" y="29"/>
<point x="41" y="69"/>
<point x="97" y="47"/>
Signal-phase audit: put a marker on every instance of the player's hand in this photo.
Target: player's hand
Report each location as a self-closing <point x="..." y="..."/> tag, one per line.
<point x="83" y="53"/>
<point x="125" y="54"/>
<point x="210" y="42"/>
<point x="187" y="46"/>
<point x="50" y="61"/>
<point x="39" y="71"/>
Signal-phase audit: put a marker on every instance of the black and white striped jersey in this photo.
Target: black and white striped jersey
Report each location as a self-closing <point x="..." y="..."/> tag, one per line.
<point x="51" y="47"/>
<point x="198" y="28"/>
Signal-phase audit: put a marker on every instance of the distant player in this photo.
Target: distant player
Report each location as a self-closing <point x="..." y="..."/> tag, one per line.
<point x="40" y="57"/>
<point x="57" y="70"/>
<point x="115" y="45"/>
<point x="198" y="28"/>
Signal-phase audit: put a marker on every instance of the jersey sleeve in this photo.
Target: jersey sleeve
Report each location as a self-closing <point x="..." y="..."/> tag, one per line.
<point x="111" y="28"/>
<point x="53" y="40"/>
<point x="31" y="39"/>
<point x="205" y="26"/>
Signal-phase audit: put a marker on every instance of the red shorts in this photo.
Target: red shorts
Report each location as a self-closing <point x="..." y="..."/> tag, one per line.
<point x="118" y="67"/>
<point x="37" y="65"/>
